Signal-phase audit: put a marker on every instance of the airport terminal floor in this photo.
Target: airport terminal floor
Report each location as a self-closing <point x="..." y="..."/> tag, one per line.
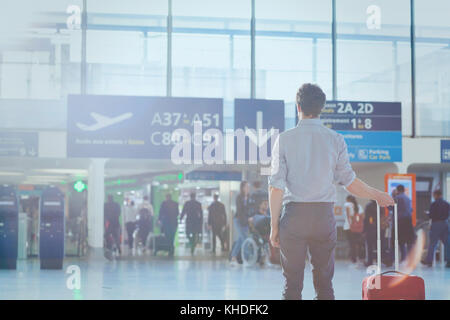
<point x="185" y="277"/>
<point x="137" y="137"/>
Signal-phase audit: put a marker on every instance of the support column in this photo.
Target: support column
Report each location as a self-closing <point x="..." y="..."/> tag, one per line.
<point x="96" y="200"/>
<point x="334" y="51"/>
<point x="252" y="53"/>
<point x="402" y="167"/>
<point x="169" y="49"/>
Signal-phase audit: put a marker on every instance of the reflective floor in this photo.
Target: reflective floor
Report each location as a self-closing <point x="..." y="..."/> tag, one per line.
<point x="183" y="278"/>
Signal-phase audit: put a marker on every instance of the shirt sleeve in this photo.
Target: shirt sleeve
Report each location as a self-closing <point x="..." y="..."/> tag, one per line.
<point x="344" y="174"/>
<point x="277" y="178"/>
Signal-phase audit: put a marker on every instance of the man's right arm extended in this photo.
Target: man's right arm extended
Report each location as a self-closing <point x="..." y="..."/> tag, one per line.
<point x="346" y="177"/>
<point x="360" y="189"/>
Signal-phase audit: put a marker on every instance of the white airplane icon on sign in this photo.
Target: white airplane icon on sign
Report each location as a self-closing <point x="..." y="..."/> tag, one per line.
<point x="103" y="121"/>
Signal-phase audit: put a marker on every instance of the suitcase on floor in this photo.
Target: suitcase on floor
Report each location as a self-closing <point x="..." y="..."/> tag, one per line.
<point x="391" y="285"/>
<point x="159" y="243"/>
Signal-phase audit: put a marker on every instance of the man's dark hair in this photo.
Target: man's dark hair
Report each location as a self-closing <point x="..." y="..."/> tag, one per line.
<point x="437" y="193"/>
<point x="400" y="188"/>
<point x="216" y="197"/>
<point x="146" y="198"/>
<point x="311" y="99"/>
<point x="193" y="195"/>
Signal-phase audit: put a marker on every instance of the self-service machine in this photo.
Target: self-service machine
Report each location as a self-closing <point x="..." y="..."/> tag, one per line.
<point x="424" y="193"/>
<point x="51" y="236"/>
<point x="9" y="227"/>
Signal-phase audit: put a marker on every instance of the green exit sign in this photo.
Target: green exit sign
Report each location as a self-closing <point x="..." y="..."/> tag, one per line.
<point x="169" y="178"/>
<point x="79" y="186"/>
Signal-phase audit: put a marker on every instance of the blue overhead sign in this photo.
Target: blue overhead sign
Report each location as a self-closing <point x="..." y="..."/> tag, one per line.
<point x="18" y="144"/>
<point x="445" y="151"/>
<point x="372" y="130"/>
<point x="100" y="126"/>
<point x="257" y="114"/>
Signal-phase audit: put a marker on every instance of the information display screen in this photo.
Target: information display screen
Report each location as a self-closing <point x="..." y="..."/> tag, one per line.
<point x="134" y="127"/>
<point x="445" y="151"/>
<point x="372" y="130"/>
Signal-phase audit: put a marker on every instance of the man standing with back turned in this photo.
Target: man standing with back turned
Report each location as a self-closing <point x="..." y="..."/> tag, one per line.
<point x="310" y="160"/>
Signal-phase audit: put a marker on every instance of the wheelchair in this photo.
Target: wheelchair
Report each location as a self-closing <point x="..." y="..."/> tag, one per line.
<point x="141" y="241"/>
<point x="255" y="249"/>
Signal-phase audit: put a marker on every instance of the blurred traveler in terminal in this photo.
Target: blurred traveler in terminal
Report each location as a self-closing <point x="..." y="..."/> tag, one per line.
<point x="406" y="234"/>
<point x="130" y="222"/>
<point x="217" y="221"/>
<point x="370" y="233"/>
<point x="241" y="221"/>
<point x="144" y="221"/>
<point x="112" y="224"/>
<point x="310" y="159"/>
<point x="439" y="212"/>
<point x="192" y="209"/>
<point x="146" y="205"/>
<point x="353" y="227"/>
<point x="257" y="196"/>
<point x="168" y="220"/>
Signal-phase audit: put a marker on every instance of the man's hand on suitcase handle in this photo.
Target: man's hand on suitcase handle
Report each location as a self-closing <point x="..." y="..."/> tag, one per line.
<point x="384" y="199"/>
<point x="362" y="190"/>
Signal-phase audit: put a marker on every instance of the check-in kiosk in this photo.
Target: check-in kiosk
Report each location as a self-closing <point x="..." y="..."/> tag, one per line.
<point x="9" y="224"/>
<point x="423" y="195"/>
<point x="51" y="244"/>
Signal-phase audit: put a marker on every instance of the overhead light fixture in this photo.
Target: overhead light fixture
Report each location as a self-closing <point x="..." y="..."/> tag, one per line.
<point x="11" y="173"/>
<point x="75" y="172"/>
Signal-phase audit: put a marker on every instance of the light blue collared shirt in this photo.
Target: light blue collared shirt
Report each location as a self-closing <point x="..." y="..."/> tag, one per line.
<point x="310" y="160"/>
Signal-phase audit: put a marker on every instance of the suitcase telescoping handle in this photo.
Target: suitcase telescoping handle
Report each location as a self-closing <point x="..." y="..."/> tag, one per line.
<point x="379" y="239"/>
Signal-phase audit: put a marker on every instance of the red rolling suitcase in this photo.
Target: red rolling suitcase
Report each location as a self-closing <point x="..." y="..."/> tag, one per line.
<point x="391" y="285"/>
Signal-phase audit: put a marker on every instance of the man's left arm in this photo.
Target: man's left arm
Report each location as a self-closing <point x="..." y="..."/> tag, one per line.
<point x="275" y="203"/>
<point x="277" y="184"/>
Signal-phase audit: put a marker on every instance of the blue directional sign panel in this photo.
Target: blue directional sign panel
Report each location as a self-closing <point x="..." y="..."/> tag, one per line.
<point x="256" y="114"/>
<point x="445" y="151"/>
<point x="372" y="130"/>
<point x="18" y="144"/>
<point x="100" y="126"/>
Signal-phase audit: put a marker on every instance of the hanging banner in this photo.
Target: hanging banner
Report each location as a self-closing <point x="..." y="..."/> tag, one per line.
<point x="262" y="121"/>
<point x="19" y="144"/>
